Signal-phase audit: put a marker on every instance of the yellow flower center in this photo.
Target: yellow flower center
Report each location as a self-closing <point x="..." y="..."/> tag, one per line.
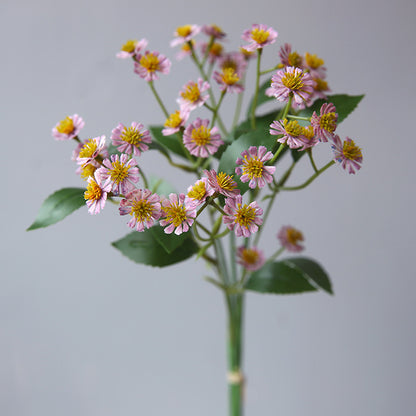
<point x="66" y="126"/>
<point x="198" y="191"/>
<point x="245" y="215"/>
<point x="216" y="49"/>
<point x="259" y="35"/>
<point x="313" y="61"/>
<point x="93" y="192"/>
<point x="175" y="214"/>
<point x="129" y="46"/>
<point x="294" y="236"/>
<point x="88" y="149"/>
<point x="293" y="80"/>
<point x="191" y="93"/>
<point x="292" y="127"/>
<point x="308" y="132"/>
<point x="320" y="85"/>
<point x="249" y="256"/>
<point x="294" y="59"/>
<point x="142" y="210"/>
<point x="150" y="61"/>
<point x="229" y="76"/>
<point x="174" y="120"/>
<point x="328" y="122"/>
<point x="253" y="167"/>
<point x="201" y="136"/>
<point x="226" y="181"/>
<point x="131" y="136"/>
<point x="184" y="31"/>
<point x="119" y="172"/>
<point x="87" y="171"/>
<point x="351" y="151"/>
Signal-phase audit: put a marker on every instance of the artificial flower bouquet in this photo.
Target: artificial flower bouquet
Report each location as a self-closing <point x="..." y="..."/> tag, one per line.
<point x="235" y="167"/>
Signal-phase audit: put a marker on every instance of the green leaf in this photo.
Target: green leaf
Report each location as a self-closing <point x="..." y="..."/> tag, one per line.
<point x="345" y="105"/>
<point x="313" y="271"/>
<point x="280" y="278"/>
<point x="262" y="126"/>
<point x="58" y="206"/>
<point x="170" y="242"/>
<point x="171" y="142"/>
<point x="261" y="98"/>
<point x="144" y="248"/>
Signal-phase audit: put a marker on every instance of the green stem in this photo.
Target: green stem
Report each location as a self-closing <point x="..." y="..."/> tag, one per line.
<point x="298" y="117"/>
<point x="309" y="152"/>
<point x="158" y="99"/>
<point x="265" y="216"/>
<point x="278" y="151"/>
<point x="311" y="179"/>
<point x="235" y="374"/>
<point x="209" y="46"/>
<point x="211" y="95"/>
<point x="217" y="108"/>
<point x="267" y="71"/>
<point x="239" y="104"/>
<point x="256" y="93"/>
<point x="233" y="257"/>
<point x="217" y="207"/>
<point x="276" y="254"/>
<point x="145" y="183"/>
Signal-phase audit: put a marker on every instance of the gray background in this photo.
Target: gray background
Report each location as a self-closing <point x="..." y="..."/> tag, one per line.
<point x="83" y="331"/>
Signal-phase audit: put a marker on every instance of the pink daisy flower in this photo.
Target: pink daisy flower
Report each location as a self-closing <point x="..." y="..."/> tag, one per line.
<point x="131" y="48"/>
<point x="199" y="192"/>
<point x="228" y="80"/>
<point x="348" y="154"/>
<point x="184" y="34"/>
<point x="143" y="206"/>
<point x="325" y="124"/>
<point x="177" y="215"/>
<point x="148" y="65"/>
<point x="120" y="172"/>
<point x="250" y="258"/>
<point x="292" y="82"/>
<point x="191" y="95"/>
<point x="243" y="219"/>
<point x="291" y="131"/>
<point x="175" y="121"/>
<point x="91" y="149"/>
<point x="253" y="167"/>
<point x="96" y="194"/>
<point x="290" y="239"/>
<point x="68" y="128"/>
<point x="214" y="31"/>
<point x="131" y="140"/>
<point x="289" y="58"/>
<point x="222" y="183"/>
<point x="200" y="140"/>
<point x="258" y="37"/>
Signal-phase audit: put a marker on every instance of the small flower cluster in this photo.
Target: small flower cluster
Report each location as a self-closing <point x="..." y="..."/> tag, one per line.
<point x="297" y="82"/>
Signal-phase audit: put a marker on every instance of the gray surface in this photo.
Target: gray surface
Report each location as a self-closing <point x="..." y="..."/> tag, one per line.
<point x="83" y="331"/>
